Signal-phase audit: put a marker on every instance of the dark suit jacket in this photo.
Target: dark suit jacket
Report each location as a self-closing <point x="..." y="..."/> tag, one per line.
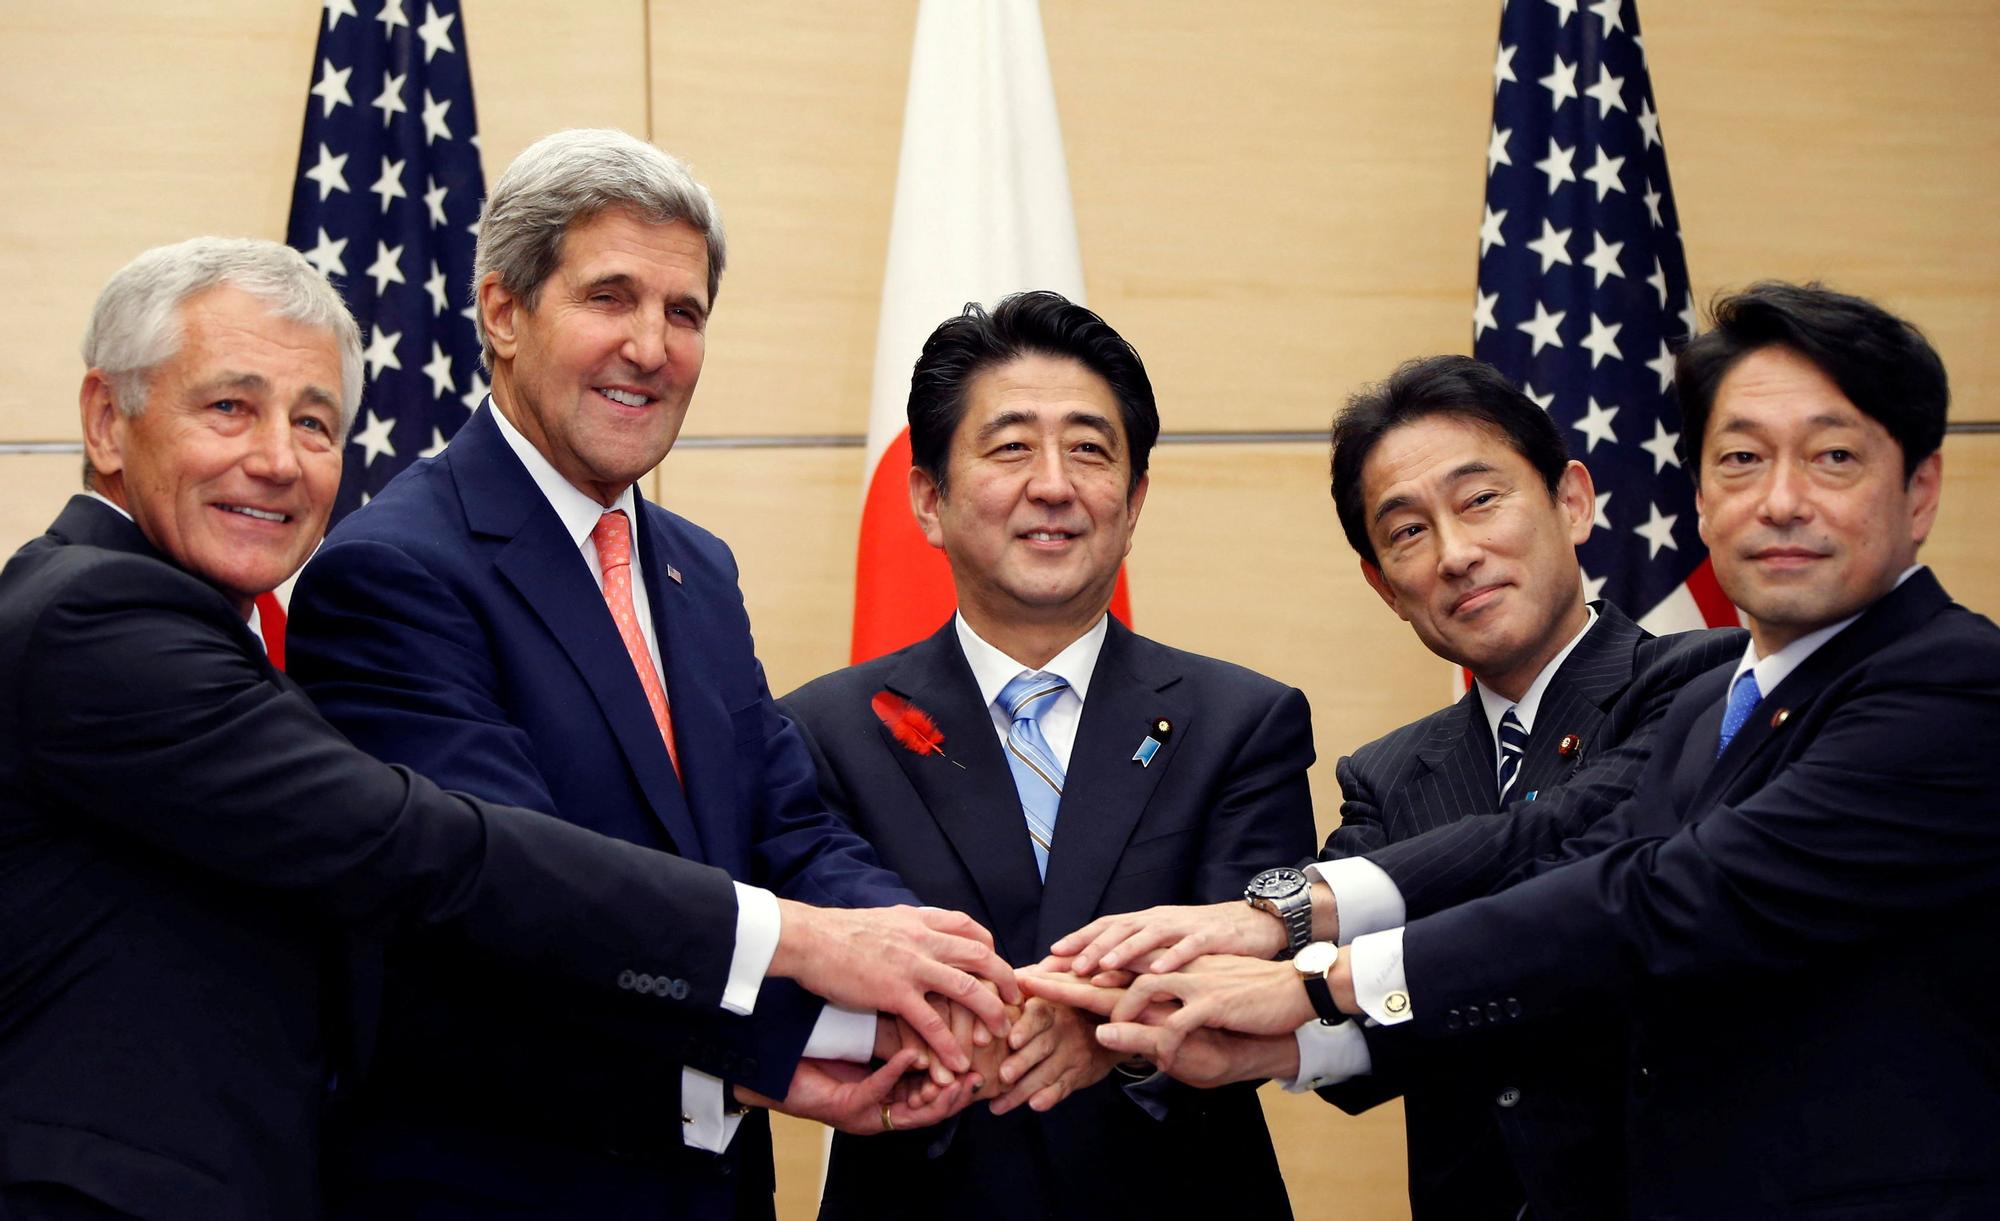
<point x="1802" y="932"/>
<point x="186" y="850"/>
<point x="1225" y="797"/>
<point x="1421" y="802"/>
<point x="452" y="625"/>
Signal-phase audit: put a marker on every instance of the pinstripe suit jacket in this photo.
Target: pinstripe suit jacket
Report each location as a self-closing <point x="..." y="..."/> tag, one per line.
<point x="1421" y="803"/>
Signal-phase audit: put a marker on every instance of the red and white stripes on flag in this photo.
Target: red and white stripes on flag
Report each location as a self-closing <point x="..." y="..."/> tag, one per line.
<point x="982" y="210"/>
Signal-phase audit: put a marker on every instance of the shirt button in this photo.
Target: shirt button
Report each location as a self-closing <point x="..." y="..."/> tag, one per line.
<point x="1508" y="1097"/>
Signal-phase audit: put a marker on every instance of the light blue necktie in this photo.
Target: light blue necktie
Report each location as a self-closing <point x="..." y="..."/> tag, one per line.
<point x="1513" y="744"/>
<point x="1037" y="775"/>
<point x="1742" y="698"/>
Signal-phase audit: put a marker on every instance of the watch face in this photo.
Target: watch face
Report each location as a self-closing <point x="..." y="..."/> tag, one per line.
<point x="1276" y="884"/>
<point x="1316" y="958"/>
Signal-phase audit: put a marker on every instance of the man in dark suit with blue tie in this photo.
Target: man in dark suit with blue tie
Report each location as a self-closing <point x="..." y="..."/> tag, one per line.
<point x="1085" y="769"/>
<point x="198" y="869"/>
<point x="1793" y="917"/>
<point x="1458" y="495"/>
<point x="515" y="619"/>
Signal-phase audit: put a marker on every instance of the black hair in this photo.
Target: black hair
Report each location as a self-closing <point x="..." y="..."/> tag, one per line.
<point x="1884" y="365"/>
<point x="1041" y="322"/>
<point x="1436" y="385"/>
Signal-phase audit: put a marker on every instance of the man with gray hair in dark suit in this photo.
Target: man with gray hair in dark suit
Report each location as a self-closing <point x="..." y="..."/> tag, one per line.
<point x="1466" y="510"/>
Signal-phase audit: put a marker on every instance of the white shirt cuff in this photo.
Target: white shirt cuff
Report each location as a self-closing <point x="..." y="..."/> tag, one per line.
<point x="1329" y="1055"/>
<point x="841" y="1034"/>
<point x="756" y="942"/>
<point x="704" y="1124"/>
<point x="1367" y="900"/>
<point x="1375" y="961"/>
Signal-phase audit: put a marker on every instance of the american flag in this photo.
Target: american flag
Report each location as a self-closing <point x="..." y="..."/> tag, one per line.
<point x="1583" y="291"/>
<point x="386" y="205"/>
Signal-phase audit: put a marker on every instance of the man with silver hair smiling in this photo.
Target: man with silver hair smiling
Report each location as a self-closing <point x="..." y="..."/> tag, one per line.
<point x="194" y="866"/>
<point x="514" y="618"/>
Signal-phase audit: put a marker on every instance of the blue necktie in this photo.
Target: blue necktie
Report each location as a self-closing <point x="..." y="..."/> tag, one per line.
<point x="1513" y="744"/>
<point x="1036" y="773"/>
<point x="1742" y="698"/>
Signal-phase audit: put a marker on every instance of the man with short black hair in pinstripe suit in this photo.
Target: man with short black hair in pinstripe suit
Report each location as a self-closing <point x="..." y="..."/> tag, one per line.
<point x="1459" y="495"/>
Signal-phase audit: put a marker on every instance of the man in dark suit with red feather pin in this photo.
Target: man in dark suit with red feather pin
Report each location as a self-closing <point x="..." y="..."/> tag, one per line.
<point x="1083" y="769"/>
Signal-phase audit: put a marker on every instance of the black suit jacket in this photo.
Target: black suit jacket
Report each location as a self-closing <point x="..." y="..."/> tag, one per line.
<point x="1802" y="932"/>
<point x="188" y="856"/>
<point x="1540" y="1125"/>
<point x="1225" y="797"/>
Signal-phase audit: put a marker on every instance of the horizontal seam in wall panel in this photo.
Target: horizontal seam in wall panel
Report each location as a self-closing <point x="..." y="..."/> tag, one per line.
<point x="857" y="441"/>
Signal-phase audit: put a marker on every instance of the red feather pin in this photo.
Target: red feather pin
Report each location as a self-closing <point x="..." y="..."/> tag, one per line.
<point x="911" y="726"/>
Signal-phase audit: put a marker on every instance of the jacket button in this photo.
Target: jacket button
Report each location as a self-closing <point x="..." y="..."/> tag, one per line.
<point x="1493" y="1011"/>
<point x="625" y="980"/>
<point x="1508" y="1097"/>
<point x="644" y="983"/>
<point x="679" y="991"/>
<point x="1513" y="1007"/>
<point x="1453" y="1020"/>
<point x="1473" y="1017"/>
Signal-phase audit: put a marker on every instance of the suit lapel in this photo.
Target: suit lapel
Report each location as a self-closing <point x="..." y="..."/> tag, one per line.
<point x="540" y="560"/>
<point x="1574" y="702"/>
<point x="1105" y="790"/>
<point x="1456" y="763"/>
<point x="1897" y="614"/>
<point x="975" y="805"/>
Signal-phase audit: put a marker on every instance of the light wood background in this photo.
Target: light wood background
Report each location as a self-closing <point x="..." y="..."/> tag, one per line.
<point x="1276" y="202"/>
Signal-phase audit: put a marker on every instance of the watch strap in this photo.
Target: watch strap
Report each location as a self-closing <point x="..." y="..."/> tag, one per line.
<point x="1320" y="993"/>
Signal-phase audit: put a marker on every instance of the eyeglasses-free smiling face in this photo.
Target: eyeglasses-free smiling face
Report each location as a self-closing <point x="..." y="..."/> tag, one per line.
<point x="1038" y="510"/>
<point x="1803" y="501"/>
<point x="1471" y="549"/>
<point x="598" y="375"/>
<point x="232" y="467"/>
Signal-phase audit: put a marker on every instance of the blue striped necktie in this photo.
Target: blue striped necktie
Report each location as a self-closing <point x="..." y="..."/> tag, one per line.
<point x="1742" y="698"/>
<point x="1513" y="745"/>
<point x="1036" y="773"/>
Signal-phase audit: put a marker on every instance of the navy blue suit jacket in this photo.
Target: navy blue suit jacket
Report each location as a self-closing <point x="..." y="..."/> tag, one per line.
<point x="1225" y="797"/>
<point x="1800" y="931"/>
<point x="453" y="625"/>
<point x="193" y="868"/>
<point x="1541" y="1126"/>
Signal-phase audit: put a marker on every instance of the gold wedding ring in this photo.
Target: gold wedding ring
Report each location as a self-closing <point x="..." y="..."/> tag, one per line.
<point x="888" y="1124"/>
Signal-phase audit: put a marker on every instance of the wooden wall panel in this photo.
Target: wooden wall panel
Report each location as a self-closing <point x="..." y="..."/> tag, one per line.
<point x="124" y="125"/>
<point x="1856" y="141"/>
<point x="38" y="485"/>
<point x="798" y="137"/>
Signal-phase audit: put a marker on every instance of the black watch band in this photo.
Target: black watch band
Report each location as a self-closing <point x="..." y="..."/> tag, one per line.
<point x="1320" y="993"/>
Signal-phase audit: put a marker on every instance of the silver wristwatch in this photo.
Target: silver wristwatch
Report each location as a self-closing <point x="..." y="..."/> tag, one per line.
<point x="1287" y="894"/>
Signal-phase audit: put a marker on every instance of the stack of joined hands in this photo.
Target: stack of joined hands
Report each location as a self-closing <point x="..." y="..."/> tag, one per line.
<point x="1193" y="992"/>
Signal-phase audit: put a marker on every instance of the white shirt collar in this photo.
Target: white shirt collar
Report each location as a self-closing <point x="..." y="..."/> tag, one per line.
<point x="1778" y="666"/>
<point x="579" y="512"/>
<point x="102" y="499"/>
<point x="1496" y="704"/>
<point x="992" y="669"/>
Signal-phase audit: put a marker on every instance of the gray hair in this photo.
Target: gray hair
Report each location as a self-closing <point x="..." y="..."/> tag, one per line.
<point x="565" y="179"/>
<point x="136" y="326"/>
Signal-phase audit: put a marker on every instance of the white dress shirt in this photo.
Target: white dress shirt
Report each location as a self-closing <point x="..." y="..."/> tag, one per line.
<point x="992" y="670"/>
<point x="1369" y="902"/>
<point x="839" y="1034"/>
